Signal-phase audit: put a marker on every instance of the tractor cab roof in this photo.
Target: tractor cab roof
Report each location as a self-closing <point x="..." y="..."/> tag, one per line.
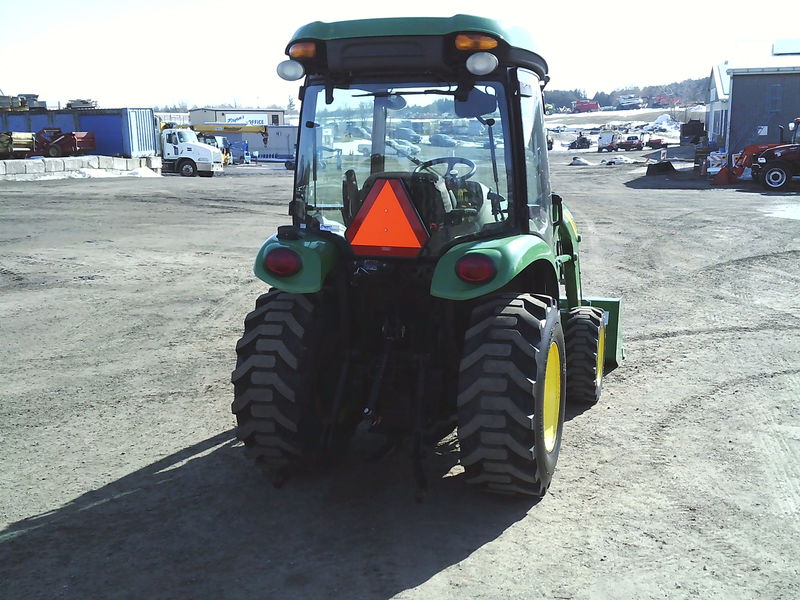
<point x="410" y="45"/>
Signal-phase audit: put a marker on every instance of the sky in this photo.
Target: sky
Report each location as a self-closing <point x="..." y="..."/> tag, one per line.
<point x="140" y="53"/>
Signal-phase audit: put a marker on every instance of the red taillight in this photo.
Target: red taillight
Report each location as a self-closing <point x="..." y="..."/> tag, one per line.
<point x="282" y="262"/>
<point x="475" y="268"/>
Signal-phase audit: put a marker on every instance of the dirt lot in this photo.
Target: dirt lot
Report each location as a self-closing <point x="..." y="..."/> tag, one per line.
<point x="121" y="304"/>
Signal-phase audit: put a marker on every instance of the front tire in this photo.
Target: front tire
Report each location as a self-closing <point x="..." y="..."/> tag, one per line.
<point x="187" y="168"/>
<point x="776" y="176"/>
<point x="511" y="394"/>
<point x="585" y="336"/>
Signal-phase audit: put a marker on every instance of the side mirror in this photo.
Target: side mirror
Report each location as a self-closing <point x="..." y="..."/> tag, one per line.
<point x="558" y="210"/>
<point x="394" y="102"/>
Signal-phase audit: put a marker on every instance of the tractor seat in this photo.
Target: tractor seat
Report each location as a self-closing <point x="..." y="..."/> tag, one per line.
<point x="427" y="191"/>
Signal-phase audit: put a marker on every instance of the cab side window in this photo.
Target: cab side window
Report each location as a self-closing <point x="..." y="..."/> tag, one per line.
<point x="536" y="165"/>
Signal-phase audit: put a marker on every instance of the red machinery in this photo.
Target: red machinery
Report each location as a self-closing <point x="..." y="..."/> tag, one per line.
<point x="744" y="161"/>
<point x="53" y="142"/>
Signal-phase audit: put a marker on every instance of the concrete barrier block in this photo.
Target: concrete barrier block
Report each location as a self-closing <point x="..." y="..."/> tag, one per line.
<point x="34" y="166"/>
<point x="105" y="162"/>
<point x="73" y="163"/>
<point x="2" y="167"/>
<point x="131" y="164"/>
<point x="153" y="162"/>
<point x="52" y="165"/>
<point x="15" y="167"/>
<point x="92" y="162"/>
<point x="119" y="164"/>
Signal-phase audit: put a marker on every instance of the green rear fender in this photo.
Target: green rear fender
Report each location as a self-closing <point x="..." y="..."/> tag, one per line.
<point x="511" y="256"/>
<point x="318" y="255"/>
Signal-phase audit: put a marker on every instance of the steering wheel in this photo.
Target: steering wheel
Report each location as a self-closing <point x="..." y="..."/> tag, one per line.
<point x="451" y="162"/>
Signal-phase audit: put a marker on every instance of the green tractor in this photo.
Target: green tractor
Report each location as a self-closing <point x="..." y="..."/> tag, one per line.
<point x="428" y="287"/>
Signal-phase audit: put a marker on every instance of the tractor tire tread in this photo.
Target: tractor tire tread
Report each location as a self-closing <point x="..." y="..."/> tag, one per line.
<point x="581" y="337"/>
<point x="270" y="385"/>
<point x="494" y="401"/>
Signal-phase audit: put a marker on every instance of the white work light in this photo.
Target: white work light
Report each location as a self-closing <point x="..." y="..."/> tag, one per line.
<point x="482" y="63"/>
<point x="290" y="70"/>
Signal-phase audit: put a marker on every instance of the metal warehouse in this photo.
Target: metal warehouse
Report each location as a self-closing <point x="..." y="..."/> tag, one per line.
<point x="749" y="103"/>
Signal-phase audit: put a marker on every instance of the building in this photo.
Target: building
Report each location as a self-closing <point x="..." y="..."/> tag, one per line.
<point x="750" y="100"/>
<point x="717" y="105"/>
<point x="237" y="116"/>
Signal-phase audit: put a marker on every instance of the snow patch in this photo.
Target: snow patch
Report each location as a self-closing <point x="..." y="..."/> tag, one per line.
<point x="102" y="174"/>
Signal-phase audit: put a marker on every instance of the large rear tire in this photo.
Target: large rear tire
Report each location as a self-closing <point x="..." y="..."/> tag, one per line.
<point x="585" y="336"/>
<point x="274" y="380"/>
<point x="511" y="394"/>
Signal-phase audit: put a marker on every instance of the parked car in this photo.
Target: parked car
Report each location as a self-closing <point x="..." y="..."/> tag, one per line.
<point x="406" y="133"/>
<point x="442" y="139"/>
<point x="631" y="142"/>
<point x="405" y="146"/>
<point x="393" y="148"/>
<point x="354" y="131"/>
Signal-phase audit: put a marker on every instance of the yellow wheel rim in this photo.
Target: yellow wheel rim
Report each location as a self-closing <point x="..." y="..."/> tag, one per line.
<point x="552" y="397"/>
<point x="601" y="357"/>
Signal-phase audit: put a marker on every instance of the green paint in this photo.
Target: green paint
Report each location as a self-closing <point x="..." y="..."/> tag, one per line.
<point x="318" y="255"/>
<point x="433" y="26"/>
<point x="571" y="264"/>
<point x="511" y="255"/>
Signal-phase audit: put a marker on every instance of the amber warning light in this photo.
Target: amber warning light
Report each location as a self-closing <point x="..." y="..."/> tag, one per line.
<point x="474" y="41"/>
<point x="387" y="223"/>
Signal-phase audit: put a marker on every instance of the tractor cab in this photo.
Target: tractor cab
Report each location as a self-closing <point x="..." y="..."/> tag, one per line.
<point x="464" y="181"/>
<point x="794" y="128"/>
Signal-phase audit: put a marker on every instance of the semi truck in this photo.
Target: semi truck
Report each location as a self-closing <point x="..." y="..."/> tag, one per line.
<point x="183" y="153"/>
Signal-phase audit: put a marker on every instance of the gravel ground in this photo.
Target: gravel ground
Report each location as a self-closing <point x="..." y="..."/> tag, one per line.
<point x="121" y="304"/>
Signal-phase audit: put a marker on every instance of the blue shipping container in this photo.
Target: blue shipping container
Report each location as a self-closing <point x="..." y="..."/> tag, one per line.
<point x="128" y="132"/>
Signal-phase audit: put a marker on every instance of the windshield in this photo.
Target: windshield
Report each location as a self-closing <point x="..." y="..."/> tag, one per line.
<point x="187" y="136"/>
<point x="448" y="153"/>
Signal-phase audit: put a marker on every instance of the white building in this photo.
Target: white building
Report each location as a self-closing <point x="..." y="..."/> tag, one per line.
<point x="237" y="116"/>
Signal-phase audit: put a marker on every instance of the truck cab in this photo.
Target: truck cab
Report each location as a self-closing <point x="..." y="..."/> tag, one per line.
<point x="182" y="153"/>
<point x="631" y="142"/>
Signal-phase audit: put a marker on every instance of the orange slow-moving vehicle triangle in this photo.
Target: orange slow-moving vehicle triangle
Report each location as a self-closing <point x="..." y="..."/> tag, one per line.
<point x="387" y="223"/>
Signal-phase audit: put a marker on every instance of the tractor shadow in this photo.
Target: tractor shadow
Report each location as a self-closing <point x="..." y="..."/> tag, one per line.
<point x="688" y="180"/>
<point x="203" y="523"/>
